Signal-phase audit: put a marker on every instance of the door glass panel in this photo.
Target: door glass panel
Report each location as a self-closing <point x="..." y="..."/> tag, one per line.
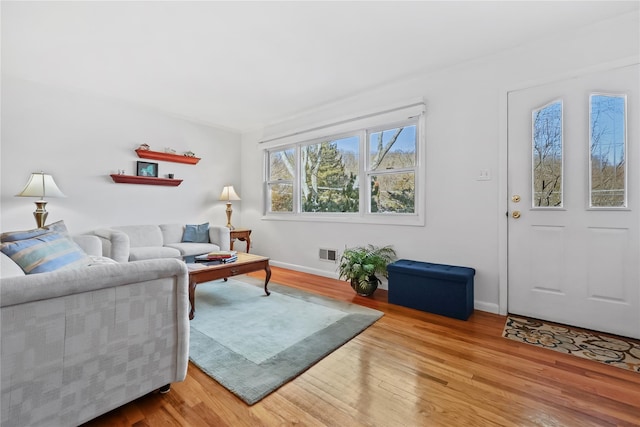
<point x="547" y="155"/>
<point x="608" y="151"/>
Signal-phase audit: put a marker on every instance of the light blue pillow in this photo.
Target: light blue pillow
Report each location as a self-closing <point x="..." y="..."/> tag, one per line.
<point x="196" y="233"/>
<point x="46" y="252"/>
<point x="13" y="236"/>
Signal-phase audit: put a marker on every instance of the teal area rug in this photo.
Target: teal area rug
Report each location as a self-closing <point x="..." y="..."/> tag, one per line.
<point x="252" y="343"/>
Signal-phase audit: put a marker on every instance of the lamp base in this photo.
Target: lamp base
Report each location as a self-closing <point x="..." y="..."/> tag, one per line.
<point x="40" y="214"/>
<point x="229" y="212"/>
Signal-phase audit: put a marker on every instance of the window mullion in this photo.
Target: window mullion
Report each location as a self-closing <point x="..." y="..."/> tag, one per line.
<point x="297" y="183"/>
<point x="363" y="181"/>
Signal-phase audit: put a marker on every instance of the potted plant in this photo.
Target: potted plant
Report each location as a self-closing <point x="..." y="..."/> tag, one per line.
<point x="360" y="264"/>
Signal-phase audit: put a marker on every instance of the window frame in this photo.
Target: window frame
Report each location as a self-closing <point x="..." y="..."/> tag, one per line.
<point x="364" y="214"/>
<point x="268" y="182"/>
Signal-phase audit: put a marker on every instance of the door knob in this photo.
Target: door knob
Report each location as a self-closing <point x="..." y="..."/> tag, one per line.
<point x="516" y="214"/>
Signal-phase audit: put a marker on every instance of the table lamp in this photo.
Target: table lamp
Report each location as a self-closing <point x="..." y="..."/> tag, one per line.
<point x="228" y="194"/>
<point x="41" y="185"/>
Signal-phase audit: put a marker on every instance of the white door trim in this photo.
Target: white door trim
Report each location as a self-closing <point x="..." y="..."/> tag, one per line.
<point x="503" y="140"/>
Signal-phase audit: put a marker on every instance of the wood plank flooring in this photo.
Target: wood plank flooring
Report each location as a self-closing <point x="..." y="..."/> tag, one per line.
<point x="409" y="369"/>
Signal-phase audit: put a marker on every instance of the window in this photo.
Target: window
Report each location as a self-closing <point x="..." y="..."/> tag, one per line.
<point x="325" y="177"/>
<point x="280" y="183"/>
<point x="328" y="175"/>
<point x="391" y="170"/>
<point x="547" y="155"/>
<point x="608" y="151"/>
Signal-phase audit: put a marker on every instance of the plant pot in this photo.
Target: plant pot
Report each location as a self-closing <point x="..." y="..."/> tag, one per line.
<point x="366" y="287"/>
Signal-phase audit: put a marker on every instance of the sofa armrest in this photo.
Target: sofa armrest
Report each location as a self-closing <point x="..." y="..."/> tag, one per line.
<point x="90" y="244"/>
<point x="220" y="236"/>
<point x="37" y="287"/>
<point x="115" y="244"/>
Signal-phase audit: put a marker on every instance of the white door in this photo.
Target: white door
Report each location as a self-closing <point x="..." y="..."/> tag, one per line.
<point x="573" y="153"/>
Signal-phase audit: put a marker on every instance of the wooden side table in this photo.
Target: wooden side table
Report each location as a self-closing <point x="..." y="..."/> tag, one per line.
<point x="242" y="234"/>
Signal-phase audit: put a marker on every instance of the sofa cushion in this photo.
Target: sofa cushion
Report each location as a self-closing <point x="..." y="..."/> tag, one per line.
<point x="13" y="236"/>
<point x="101" y="260"/>
<point x="153" y="252"/>
<point x="8" y="268"/>
<point x="46" y="252"/>
<point x="142" y="235"/>
<point x="190" y="249"/>
<point x="171" y="233"/>
<point x="196" y="233"/>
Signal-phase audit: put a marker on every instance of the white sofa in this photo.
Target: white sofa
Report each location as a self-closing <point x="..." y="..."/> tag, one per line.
<point x="76" y="343"/>
<point x="140" y="242"/>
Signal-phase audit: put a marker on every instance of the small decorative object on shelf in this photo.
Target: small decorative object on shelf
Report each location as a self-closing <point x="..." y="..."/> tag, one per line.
<point x="144" y="147"/>
<point x="167" y="157"/>
<point x="169" y="150"/>
<point x="147" y="169"/>
<point x="148" y="180"/>
<point x="189" y="154"/>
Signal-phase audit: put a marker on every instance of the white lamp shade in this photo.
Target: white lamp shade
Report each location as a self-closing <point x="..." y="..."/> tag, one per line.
<point x="41" y="185"/>
<point x="228" y="193"/>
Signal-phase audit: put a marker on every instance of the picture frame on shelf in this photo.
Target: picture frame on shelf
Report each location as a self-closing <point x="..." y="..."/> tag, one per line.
<point x="147" y="169"/>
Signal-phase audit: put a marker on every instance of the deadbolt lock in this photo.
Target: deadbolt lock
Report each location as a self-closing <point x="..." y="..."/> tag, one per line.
<point x="516" y="214"/>
<point x="515" y="198"/>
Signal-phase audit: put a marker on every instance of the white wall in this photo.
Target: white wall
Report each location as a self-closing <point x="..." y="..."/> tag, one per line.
<point x="81" y="139"/>
<point x="465" y="127"/>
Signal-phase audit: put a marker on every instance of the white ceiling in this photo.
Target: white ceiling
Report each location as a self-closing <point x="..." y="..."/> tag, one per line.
<point x="240" y="65"/>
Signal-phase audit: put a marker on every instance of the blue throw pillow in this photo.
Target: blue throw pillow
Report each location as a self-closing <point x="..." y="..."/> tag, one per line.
<point x="46" y="252"/>
<point x="196" y="233"/>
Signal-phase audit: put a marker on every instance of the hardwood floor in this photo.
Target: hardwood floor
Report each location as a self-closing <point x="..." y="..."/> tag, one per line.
<point x="409" y="369"/>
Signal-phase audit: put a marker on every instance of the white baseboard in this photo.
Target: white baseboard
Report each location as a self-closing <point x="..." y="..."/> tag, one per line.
<point x="295" y="267"/>
<point x="477" y="305"/>
<point x="486" y="306"/>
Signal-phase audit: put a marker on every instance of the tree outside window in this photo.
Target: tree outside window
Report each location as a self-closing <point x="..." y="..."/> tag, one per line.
<point x="392" y="161"/>
<point x="280" y="182"/>
<point x="608" y="151"/>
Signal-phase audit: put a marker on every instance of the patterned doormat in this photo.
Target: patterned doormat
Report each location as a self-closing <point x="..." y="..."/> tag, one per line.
<point x="612" y="350"/>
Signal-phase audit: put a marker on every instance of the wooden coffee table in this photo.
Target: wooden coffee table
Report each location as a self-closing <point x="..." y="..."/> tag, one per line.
<point x="246" y="263"/>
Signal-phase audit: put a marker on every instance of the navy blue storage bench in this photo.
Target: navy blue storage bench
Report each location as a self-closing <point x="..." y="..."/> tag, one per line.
<point x="436" y="288"/>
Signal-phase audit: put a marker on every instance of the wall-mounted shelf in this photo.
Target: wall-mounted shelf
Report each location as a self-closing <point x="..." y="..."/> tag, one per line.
<point x="167" y="157"/>
<point x="147" y="180"/>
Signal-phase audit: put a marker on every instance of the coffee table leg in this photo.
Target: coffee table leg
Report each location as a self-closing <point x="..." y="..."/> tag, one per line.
<point x="192" y="298"/>
<point x="266" y="280"/>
